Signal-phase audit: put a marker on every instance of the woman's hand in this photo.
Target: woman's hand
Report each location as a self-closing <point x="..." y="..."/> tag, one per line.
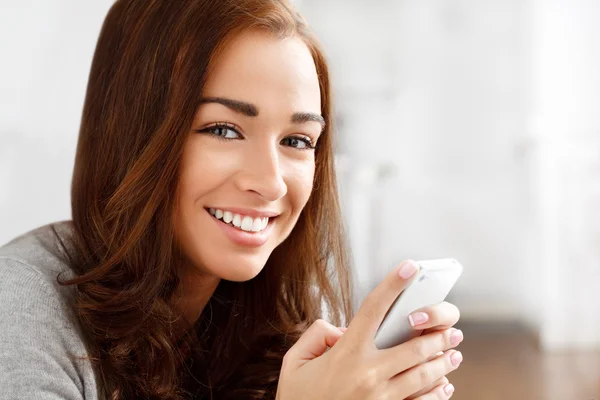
<point x="431" y="319"/>
<point x="327" y="363"/>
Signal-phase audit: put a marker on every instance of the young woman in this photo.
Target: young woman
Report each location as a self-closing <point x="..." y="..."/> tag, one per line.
<point x="206" y="237"/>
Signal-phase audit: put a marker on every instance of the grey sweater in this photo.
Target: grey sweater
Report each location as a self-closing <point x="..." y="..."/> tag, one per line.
<point x="41" y="343"/>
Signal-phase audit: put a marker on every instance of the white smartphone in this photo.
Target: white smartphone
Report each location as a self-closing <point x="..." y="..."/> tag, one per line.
<point x="434" y="280"/>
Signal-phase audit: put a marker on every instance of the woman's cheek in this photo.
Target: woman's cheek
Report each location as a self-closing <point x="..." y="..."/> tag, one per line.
<point x="303" y="180"/>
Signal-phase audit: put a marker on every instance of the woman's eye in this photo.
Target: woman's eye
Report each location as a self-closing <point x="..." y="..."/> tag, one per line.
<point x="222" y="132"/>
<point x="298" y="142"/>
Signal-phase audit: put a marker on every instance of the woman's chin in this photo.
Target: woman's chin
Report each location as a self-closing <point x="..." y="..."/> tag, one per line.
<point x="240" y="271"/>
<point x="241" y="274"/>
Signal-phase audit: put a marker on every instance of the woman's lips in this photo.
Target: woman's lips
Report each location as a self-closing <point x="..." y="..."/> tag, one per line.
<point x="243" y="238"/>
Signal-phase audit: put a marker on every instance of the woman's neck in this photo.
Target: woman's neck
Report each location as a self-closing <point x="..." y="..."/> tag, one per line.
<point x="193" y="294"/>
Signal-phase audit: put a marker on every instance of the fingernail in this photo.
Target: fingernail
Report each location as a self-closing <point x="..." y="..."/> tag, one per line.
<point x="418" y="318"/>
<point x="456" y="358"/>
<point x="456" y="337"/>
<point x="341" y="328"/>
<point x="408" y="270"/>
<point x="449" y="389"/>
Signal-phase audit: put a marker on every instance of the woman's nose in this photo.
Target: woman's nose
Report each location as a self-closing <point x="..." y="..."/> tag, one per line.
<point x="263" y="174"/>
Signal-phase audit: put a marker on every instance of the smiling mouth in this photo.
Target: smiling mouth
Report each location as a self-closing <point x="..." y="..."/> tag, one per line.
<point x="242" y="222"/>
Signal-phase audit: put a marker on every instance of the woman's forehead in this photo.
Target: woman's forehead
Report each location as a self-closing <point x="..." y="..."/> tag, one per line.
<point x="262" y="69"/>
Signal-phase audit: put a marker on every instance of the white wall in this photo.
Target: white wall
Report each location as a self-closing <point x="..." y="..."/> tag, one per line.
<point x="46" y="49"/>
<point x="566" y="167"/>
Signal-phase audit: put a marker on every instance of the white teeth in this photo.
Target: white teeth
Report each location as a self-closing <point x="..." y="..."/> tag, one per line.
<point x="247" y="223"/>
<point x="257" y="225"/>
<point x="244" y="222"/>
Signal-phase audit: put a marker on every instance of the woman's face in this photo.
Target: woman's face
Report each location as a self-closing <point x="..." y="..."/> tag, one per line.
<point x="248" y="166"/>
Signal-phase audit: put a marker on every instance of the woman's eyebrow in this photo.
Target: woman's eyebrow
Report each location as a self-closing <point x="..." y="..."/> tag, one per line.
<point x="241" y="107"/>
<point x="302" y="117"/>
<point x="251" y="110"/>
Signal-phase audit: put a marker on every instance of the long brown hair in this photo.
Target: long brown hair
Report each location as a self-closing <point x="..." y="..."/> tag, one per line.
<point x="149" y="67"/>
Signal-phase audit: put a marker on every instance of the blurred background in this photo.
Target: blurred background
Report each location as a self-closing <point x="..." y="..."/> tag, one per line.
<point x="466" y="129"/>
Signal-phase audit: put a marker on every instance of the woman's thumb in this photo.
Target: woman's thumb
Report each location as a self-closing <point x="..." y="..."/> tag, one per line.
<point x="315" y="341"/>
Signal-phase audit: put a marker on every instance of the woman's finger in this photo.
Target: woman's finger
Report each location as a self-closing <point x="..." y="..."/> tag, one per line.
<point x="424" y="375"/>
<point x="440" y="382"/>
<point x="440" y="392"/>
<point x="367" y="320"/>
<point x="314" y="342"/>
<point x="417" y="351"/>
<point x="438" y="316"/>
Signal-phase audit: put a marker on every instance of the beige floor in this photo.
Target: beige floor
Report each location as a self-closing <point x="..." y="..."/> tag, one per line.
<point x="504" y="363"/>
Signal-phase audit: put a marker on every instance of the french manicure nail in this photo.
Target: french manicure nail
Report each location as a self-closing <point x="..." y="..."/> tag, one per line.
<point x="456" y="358"/>
<point x="418" y="318"/>
<point x="456" y="337"/>
<point x="408" y="270"/>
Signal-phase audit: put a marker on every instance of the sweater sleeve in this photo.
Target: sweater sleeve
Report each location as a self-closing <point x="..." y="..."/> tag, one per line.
<point x="39" y="341"/>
